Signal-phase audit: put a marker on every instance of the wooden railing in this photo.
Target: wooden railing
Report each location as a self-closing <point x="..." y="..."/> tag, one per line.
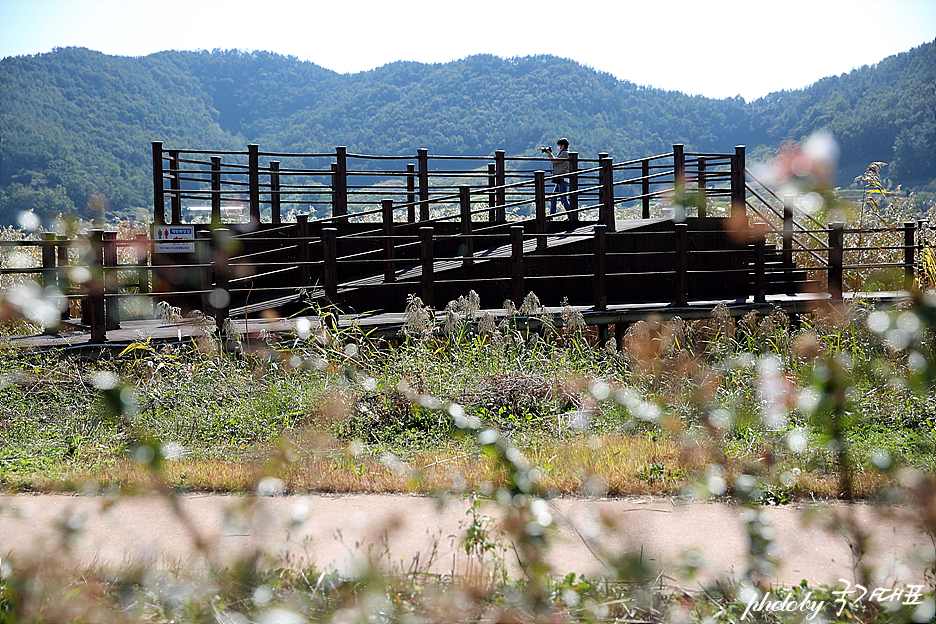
<point x="105" y="283"/>
<point x="387" y="226"/>
<point x="344" y="187"/>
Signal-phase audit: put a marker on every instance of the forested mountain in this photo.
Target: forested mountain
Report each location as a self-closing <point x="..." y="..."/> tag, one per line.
<point x="76" y="125"/>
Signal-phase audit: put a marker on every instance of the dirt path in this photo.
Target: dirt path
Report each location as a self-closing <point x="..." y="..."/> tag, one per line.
<point x="339" y="532"/>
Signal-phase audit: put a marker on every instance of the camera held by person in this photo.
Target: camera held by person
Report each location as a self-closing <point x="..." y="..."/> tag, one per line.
<point x="546" y="150"/>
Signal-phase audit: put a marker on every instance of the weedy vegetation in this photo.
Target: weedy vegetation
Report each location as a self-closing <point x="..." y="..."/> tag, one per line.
<point x="759" y="410"/>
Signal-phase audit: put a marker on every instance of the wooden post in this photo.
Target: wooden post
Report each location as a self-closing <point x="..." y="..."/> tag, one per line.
<point x="738" y="207"/>
<point x="48" y="260"/>
<point x="759" y="232"/>
<point x="607" y="192"/>
<point x="215" y="191"/>
<point x="96" y="307"/>
<point x="464" y="202"/>
<point x="275" y="215"/>
<point x="49" y="273"/>
<point x="422" y="156"/>
<point x="788" y="231"/>
<point x="304" y="255"/>
<point x="516" y="263"/>
<point x="836" y="254"/>
<point x="330" y="246"/>
<point x="111" y="284"/>
<point x="679" y="182"/>
<point x="340" y="183"/>
<point x="62" y="279"/>
<point x="645" y="188"/>
<point x="539" y="204"/>
<point x="220" y="296"/>
<point x="205" y="270"/>
<point x="909" y="254"/>
<point x="141" y="245"/>
<point x="573" y="187"/>
<point x="682" y="252"/>
<point x="159" y="197"/>
<point x="492" y="195"/>
<point x="175" y="186"/>
<point x="388" y="244"/>
<point x="701" y="182"/>
<point x="500" y="162"/>
<point x="601" y="250"/>
<point x="253" y="181"/>
<point x="411" y="193"/>
<point x="428" y="265"/>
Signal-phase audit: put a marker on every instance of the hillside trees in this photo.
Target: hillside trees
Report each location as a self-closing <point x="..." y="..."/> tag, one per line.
<point x="76" y="125"/>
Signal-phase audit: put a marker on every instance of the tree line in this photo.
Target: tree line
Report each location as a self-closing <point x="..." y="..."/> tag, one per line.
<point x="76" y="125"/>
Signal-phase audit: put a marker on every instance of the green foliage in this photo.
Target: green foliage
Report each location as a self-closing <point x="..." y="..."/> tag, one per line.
<point x="76" y="125"/>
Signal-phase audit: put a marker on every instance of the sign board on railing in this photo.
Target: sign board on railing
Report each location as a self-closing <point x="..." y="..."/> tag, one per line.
<point x="171" y="238"/>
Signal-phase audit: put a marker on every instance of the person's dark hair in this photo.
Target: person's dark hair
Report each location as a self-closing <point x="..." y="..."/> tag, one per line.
<point x="563" y="141"/>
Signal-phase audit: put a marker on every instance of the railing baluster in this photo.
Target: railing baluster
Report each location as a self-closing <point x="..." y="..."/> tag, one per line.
<point x="111" y="284"/>
<point x="679" y="182"/>
<point x="909" y="254"/>
<point x="275" y="216"/>
<point x="539" y="204"/>
<point x="253" y="182"/>
<point x="836" y="254"/>
<point x="500" y="161"/>
<point x="645" y="188"/>
<point x="738" y="206"/>
<point x="573" y="187"/>
<point x="422" y="156"/>
<point x="411" y="193"/>
<point x="340" y="184"/>
<point x="159" y="197"/>
<point x="61" y="275"/>
<point x="330" y="247"/>
<point x="304" y="256"/>
<point x="175" y="185"/>
<point x="95" y="307"/>
<point x="607" y="201"/>
<point x="788" y="230"/>
<point x="215" y="191"/>
<point x="492" y="195"/>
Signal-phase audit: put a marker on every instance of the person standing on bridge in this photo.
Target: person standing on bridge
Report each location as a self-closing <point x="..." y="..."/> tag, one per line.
<point x="560" y="163"/>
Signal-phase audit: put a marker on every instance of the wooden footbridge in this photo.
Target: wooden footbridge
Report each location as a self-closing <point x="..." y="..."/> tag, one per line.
<point x="254" y="235"/>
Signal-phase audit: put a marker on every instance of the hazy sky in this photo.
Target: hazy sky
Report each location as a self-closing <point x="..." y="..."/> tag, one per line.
<point x="717" y="48"/>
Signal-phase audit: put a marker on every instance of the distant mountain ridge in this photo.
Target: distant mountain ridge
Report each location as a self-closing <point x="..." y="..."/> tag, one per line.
<point x="76" y="125"/>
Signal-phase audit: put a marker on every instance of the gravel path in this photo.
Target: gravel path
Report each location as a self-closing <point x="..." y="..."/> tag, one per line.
<point x="339" y="532"/>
